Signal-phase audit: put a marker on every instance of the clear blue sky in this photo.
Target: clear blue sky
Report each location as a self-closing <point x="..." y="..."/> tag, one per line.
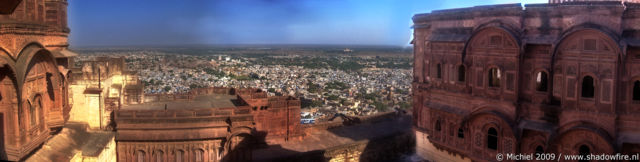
<point x="185" y="22"/>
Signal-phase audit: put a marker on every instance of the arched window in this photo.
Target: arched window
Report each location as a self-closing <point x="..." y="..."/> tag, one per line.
<point x="438" y="128"/>
<point x="39" y="110"/>
<point x="461" y="73"/>
<point x="179" y="155"/>
<point x="541" y="81"/>
<point x="460" y="133"/>
<point x="584" y="151"/>
<point x="199" y="155"/>
<point x="439" y="71"/>
<point x="212" y="154"/>
<point x="32" y="114"/>
<point x="636" y="90"/>
<point x="158" y="156"/>
<point x="140" y="156"/>
<point x="588" y="87"/>
<point x="539" y="150"/>
<point x="494" y="77"/>
<point x="492" y="139"/>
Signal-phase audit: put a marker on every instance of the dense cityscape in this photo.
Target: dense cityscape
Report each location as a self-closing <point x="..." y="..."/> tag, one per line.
<point x="328" y="81"/>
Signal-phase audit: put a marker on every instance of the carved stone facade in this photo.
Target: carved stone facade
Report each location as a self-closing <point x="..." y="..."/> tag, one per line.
<point x="101" y="85"/>
<point x="559" y="78"/>
<point x="205" y="133"/>
<point x="33" y="74"/>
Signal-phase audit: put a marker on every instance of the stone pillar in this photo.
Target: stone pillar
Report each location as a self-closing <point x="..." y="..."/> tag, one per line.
<point x="16" y="124"/>
<point x="92" y="110"/>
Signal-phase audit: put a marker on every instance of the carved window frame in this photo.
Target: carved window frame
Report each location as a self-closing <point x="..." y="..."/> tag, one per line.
<point x="479" y="78"/>
<point x="514" y="82"/>
<point x="595" y="88"/>
<point x="439" y="71"/>
<point x="534" y="83"/>
<point x="457" y="72"/>
<point x="603" y="97"/>
<point x="438" y="126"/>
<point x="140" y="155"/>
<point x="498" y="76"/>
<point x="576" y="83"/>
<point x="496" y="136"/>
<point x="631" y="90"/>
<point x="182" y="154"/>
<point x="461" y="133"/>
<point x="158" y="155"/>
<point x="198" y="155"/>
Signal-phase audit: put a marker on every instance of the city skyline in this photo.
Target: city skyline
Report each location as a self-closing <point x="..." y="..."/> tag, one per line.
<point x="356" y="22"/>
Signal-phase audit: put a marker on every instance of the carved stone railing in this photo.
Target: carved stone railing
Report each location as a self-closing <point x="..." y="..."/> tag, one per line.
<point x="31" y="28"/>
<point x="177" y="114"/>
<point x="167" y="97"/>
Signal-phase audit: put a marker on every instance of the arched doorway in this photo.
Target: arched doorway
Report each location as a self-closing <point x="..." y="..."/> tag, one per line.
<point x="40" y="76"/>
<point x="3" y="152"/>
<point x="8" y="108"/>
<point x="583" y="61"/>
<point x="239" y="148"/>
<point x="582" y="139"/>
<point x="584" y="151"/>
<point x="490" y="133"/>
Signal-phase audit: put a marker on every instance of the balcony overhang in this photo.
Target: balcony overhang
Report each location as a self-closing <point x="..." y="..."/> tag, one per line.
<point x="63" y="53"/>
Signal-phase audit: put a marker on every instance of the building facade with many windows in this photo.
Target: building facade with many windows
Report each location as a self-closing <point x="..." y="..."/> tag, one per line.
<point x="543" y="78"/>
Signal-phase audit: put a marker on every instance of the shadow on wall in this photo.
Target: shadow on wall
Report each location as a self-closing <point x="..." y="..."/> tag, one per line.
<point x="6" y="74"/>
<point x="387" y="138"/>
<point x="241" y="147"/>
<point x="3" y="153"/>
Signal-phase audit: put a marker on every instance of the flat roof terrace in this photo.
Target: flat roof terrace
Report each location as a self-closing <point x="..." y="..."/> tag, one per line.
<point x="173" y="103"/>
<point x="327" y="139"/>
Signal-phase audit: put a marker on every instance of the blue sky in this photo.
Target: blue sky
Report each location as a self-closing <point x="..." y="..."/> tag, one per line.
<point x="189" y="22"/>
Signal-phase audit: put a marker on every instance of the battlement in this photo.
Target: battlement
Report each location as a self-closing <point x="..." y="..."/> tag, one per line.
<point x="181" y="114"/>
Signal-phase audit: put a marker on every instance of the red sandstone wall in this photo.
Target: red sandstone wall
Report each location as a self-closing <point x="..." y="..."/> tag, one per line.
<point x="29" y="36"/>
<point x="277" y="118"/>
<point x="520" y="43"/>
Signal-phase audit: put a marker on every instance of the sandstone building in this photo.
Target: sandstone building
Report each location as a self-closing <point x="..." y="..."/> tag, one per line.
<point x="100" y="86"/>
<point x="208" y="124"/>
<point x="34" y="76"/>
<point x="558" y="78"/>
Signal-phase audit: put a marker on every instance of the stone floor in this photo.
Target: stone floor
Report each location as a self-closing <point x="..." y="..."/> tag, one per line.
<point x="73" y="138"/>
<point x="325" y="139"/>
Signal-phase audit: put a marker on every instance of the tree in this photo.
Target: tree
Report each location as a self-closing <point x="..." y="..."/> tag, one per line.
<point x="405" y="105"/>
<point x="332" y="97"/>
<point x="336" y="85"/>
<point x="380" y="106"/>
<point x="316" y="103"/>
<point x="313" y="88"/>
<point x="167" y="88"/>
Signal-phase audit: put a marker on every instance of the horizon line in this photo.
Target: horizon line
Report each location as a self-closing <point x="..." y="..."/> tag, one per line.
<point x="238" y="45"/>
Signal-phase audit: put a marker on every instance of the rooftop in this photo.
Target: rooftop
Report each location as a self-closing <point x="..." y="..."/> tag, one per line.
<point x="336" y="137"/>
<point x="198" y="102"/>
<point x="73" y="138"/>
